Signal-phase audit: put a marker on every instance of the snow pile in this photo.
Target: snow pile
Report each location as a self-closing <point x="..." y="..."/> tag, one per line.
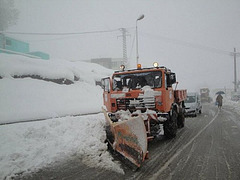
<point x="29" y="146"/>
<point x="26" y="147"/>
<point x="26" y="99"/>
<point x="11" y="65"/>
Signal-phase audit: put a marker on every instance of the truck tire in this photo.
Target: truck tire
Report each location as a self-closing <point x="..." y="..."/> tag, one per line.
<point x="170" y="126"/>
<point x="181" y="118"/>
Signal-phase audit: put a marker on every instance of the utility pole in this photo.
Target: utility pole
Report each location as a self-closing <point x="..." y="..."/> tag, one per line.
<point x="235" y="54"/>
<point x="124" y="44"/>
<point x="235" y="70"/>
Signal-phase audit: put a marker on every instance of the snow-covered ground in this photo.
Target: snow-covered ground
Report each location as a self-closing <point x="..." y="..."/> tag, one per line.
<point x="234" y="104"/>
<point x="26" y="147"/>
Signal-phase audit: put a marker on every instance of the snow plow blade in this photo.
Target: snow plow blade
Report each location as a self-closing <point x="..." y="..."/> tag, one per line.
<point x="128" y="138"/>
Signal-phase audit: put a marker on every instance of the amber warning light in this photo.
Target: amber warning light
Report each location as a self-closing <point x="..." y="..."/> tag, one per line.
<point x="139" y="66"/>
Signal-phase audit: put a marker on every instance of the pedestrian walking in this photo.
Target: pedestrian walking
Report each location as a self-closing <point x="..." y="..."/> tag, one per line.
<point x="219" y="101"/>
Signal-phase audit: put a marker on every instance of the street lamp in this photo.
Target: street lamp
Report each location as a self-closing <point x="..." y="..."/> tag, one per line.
<point x="140" y="18"/>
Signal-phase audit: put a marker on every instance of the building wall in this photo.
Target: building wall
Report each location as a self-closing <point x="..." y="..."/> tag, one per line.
<point x="20" y="47"/>
<point x="13" y="44"/>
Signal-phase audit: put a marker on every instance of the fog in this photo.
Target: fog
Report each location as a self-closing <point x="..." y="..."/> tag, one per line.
<point x="194" y="38"/>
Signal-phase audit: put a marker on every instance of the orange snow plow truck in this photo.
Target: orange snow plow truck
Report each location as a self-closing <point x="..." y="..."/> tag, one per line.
<point x="137" y="104"/>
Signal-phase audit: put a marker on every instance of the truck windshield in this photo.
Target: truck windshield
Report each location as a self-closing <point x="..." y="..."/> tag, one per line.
<point x="137" y="80"/>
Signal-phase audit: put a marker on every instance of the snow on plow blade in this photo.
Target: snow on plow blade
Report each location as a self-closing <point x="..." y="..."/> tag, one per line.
<point x="128" y="138"/>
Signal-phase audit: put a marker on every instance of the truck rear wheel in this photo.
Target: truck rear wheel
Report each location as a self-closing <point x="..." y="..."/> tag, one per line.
<point x="181" y="118"/>
<point x="170" y="126"/>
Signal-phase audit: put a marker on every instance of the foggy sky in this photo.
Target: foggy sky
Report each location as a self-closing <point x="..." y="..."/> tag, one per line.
<point x="194" y="38"/>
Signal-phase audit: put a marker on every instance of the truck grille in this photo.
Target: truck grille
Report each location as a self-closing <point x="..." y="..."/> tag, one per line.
<point x="135" y="103"/>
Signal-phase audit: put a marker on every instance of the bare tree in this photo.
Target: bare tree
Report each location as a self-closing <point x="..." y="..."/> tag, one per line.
<point x="8" y="14"/>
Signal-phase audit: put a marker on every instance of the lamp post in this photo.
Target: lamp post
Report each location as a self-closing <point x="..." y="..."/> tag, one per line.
<point x="140" y="18"/>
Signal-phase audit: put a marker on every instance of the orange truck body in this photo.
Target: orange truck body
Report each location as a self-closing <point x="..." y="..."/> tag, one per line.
<point x="149" y="98"/>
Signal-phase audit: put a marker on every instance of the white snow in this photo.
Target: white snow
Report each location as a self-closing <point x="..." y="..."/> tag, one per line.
<point x="25" y="99"/>
<point x="234" y="104"/>
<point x="26" y="147"/>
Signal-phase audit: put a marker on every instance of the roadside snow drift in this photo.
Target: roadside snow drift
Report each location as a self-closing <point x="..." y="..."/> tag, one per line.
<point x="26" y="147"/>
<point x="28" y="98"/>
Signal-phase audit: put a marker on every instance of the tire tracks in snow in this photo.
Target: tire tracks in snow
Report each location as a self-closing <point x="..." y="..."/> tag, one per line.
<point x="165" y="166"/>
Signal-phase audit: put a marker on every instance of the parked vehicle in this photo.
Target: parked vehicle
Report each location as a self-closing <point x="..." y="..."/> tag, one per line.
<point x="137" y="102"/>
<point x="193" y="104"/>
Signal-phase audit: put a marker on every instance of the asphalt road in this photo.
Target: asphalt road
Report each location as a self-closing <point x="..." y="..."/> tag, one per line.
<point x="208" y="147"/>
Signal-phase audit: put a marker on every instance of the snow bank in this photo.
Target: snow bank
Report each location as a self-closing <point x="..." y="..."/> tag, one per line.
<point x="11" y="65"/>
<point x="234" y="104"/>
<point x="27" y="98"/>
<point x="30" y="146"/>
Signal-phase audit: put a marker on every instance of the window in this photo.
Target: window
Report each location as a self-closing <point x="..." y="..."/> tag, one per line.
<point x="137" y="80"/>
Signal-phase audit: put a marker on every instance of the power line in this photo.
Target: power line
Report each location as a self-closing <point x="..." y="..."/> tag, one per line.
<point x="62" y="34"/>
<point x="170" y="40"/>
<point x="58" y="33"/>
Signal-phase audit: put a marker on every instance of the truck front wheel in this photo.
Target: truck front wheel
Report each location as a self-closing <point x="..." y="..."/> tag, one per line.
<point x="170" y="126"/>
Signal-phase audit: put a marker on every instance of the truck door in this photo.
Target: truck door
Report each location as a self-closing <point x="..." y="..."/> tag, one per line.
<point x="169" y="95"/>
<point x="106" y="92"/>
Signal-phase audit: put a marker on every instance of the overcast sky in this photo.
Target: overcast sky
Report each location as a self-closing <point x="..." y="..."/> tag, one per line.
<point x="194" y="38"/>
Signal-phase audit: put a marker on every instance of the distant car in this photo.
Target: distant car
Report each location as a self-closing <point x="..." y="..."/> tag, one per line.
<point x="193" y="104"/>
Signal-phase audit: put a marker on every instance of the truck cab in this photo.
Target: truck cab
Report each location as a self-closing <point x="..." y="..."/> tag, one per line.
<point x="139" y="89"/>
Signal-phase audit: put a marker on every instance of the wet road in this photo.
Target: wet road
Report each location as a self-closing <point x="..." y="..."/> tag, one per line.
<point x="208" y="147"/>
